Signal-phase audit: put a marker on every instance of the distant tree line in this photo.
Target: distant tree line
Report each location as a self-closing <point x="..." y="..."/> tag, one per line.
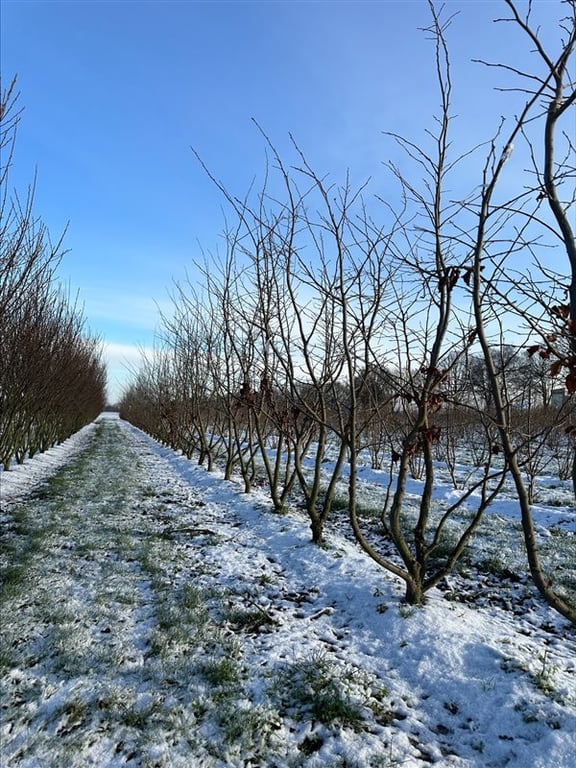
<point x="338" y="325"/>
<point x="52" y="379"/>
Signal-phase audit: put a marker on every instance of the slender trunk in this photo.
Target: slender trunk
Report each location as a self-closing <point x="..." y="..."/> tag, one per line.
<point x="543" y="584"/>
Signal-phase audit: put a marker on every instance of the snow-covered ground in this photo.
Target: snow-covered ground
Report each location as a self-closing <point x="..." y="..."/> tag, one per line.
<point x="152" y="615"/>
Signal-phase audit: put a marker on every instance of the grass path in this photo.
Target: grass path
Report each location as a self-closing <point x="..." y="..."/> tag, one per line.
<point x="97" y="621"/>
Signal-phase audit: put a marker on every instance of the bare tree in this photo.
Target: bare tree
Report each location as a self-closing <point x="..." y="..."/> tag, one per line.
<point x="549" y="89"/>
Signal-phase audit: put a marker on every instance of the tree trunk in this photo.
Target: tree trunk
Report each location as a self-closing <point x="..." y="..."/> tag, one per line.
<point x="414" y="594"/>
<point x="317" y="528"/>
<point x="543" y="584"/>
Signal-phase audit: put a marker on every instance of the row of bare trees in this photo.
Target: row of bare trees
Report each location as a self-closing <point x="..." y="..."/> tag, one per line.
<point x="337" y="324"/>
<point x="52" y="379"/>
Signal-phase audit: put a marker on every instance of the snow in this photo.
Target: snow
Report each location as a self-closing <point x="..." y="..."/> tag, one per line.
<point x="160" y="617"/>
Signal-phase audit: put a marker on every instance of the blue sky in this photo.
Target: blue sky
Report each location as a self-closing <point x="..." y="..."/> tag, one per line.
<point x="116" y="94"/>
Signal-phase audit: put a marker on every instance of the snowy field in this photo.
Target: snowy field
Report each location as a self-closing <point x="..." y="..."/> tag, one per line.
<point x="154" y="616"/>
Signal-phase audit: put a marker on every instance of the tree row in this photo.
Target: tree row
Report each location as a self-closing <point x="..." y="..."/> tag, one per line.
<point x="339" y="324"/>
<point x="52" y="379"/>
